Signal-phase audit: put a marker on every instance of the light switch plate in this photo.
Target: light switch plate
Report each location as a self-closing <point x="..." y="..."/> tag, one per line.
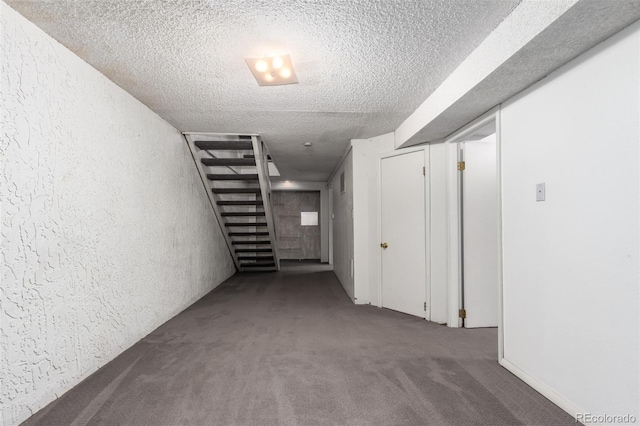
<point x="540" y="192"/>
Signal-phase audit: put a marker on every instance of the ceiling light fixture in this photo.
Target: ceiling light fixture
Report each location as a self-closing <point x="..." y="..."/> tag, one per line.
<point x="308" y="144"/>
<point x="272" y="70"/>
<point x="261" y="66"/>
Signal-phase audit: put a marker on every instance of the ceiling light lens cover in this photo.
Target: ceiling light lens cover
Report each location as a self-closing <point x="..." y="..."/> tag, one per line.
<point x="272" y="71"/>
<point x="261" y="66"/>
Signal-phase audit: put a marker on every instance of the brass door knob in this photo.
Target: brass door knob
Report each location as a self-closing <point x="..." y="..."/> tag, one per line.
<point x="384" y="245"/>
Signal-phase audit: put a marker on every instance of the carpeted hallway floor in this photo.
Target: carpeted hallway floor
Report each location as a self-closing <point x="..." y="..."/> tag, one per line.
<point x="289" y="348"/>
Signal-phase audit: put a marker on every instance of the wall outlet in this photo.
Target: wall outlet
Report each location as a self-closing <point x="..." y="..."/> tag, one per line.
<point x="540" y="192"/>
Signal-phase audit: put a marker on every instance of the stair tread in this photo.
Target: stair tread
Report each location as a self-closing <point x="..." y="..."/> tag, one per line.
<point x="231" y="224"/>
<point x="228" y="161"/>
<point x="253" y="156"/>
<point x="236" y="190"/>
<point x="242" y="214"/>
<point x="231" y="176"/>
<point x="240" y="203"/>
<point x="267" y="258"/>
<point x="224" y="145"/>
<point x="257" y="242"/>
<point x="257" y="265"/>
<point x="254" y="250"/>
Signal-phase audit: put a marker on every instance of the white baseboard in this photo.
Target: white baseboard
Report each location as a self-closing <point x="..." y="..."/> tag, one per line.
<point x="543" y="389"/>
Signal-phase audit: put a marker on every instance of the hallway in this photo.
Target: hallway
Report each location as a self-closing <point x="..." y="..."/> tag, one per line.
<point x="289" y="348"/>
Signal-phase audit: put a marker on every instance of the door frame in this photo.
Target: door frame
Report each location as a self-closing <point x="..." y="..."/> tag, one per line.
<point x="427" y="200"/>
<point x="454" y="217"/>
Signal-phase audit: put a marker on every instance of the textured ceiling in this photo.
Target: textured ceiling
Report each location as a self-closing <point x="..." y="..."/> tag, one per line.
<point x="363" y="65"/>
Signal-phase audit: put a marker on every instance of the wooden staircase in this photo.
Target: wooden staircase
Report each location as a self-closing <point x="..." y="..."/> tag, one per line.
<point x="234" y="168"/>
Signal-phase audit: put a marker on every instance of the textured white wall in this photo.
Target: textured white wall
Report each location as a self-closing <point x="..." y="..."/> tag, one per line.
<point x="343" y="224"/>
<point x="106" y="228"/>
<point x="571" y="284"/>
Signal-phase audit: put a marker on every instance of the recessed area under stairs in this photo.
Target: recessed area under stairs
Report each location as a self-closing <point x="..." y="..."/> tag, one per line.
<point x="289" y="348"/>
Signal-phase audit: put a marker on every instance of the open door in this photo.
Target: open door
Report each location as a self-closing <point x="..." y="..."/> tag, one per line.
<point x="479" y="210"/>
<point x="403" y="232"/>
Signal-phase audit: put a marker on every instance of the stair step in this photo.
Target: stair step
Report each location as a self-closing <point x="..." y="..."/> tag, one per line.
<point x="236" y="190"/>
<point x="228" y="161"/>
<point x="253" y="156"/>
<point x="257" y="265"/>
<point x="244" y="214"/>
<point x="224" y="145"/>
<point x="232" y="176"/>
<point x="256" y="250"/>
<point x="239" y="203"/>
<point x="246" y="224"/>
<point x="257" y="242"/>
<point x="267" y="258"/>
<point x="248" y="234"/>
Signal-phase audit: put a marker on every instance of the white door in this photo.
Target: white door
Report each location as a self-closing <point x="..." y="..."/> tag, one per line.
<point x="403" y="224"/>
<point x="480" y="233"/>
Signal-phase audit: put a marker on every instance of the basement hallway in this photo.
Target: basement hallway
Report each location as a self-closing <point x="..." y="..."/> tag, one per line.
<point x="289" y="348"/>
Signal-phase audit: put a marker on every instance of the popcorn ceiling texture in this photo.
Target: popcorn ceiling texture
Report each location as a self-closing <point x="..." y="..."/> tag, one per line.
<point x="363" y="65"/>
<point x="106" y="229"/>
<point x="534" y="40"/>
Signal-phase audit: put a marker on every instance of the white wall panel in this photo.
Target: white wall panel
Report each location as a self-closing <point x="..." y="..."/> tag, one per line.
<point x="571" y="282"/>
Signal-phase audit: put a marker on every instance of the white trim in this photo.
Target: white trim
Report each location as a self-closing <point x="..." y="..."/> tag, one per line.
<point x="500" y="235"/>
<point x="543" y="389"/>
<point x="454" y="247"/>
<point x="379" y="228"/>
<point x="403" y="151"/>
<point x="471" y="127"/>
<point x="220" y="134"/>
<point x="453" y="238"/>
<point x="427" y="218"/>
<point x="427" y="232"/>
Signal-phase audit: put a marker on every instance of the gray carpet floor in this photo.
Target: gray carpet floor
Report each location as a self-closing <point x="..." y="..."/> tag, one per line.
<point x="289" y="348"/>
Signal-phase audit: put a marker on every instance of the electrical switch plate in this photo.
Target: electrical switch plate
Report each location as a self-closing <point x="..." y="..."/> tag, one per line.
<point x="540" y="192"/>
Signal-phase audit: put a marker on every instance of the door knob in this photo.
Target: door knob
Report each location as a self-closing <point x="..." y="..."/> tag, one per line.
<point x="384" y="245"/>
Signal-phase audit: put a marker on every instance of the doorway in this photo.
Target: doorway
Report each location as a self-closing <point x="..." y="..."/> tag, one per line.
<point x="403" y="232"/>
<point x="478" y="224"/>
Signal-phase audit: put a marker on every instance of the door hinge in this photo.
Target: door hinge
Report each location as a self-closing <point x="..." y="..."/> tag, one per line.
<point x="461" y="165"/>
<point x="425" y="306"/>
<point x="462" y="313"/>
<point x="424" y="171"/>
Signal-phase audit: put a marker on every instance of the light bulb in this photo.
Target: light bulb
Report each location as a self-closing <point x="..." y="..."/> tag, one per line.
<point x="285" y="73"/>
<point x="277" y="62"/>
<point x="261" y="66"/>
<point x="269" y="77"/>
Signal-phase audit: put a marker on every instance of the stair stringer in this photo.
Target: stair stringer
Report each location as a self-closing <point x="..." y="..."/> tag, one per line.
<point x="261" y="155"/>
<point x="216" y="209"/>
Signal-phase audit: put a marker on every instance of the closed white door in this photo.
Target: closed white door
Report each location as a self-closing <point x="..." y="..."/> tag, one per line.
<point x="403" y="224"/>
<point x="480" y="233"/>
